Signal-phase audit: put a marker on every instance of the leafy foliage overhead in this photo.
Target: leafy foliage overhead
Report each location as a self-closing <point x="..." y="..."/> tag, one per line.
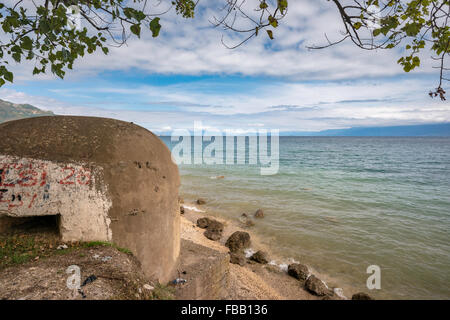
<point x="46" y="31"/>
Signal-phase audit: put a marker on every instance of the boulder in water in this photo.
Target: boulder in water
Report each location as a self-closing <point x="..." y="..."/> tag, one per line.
<point x="361" y="296"/>
<point x="316" y="286"/>
<point x="238" y="258"/>
<point x="203" y="222"/>
<point x="201" y="201"/>
<point x="259" y="213"/>
<point x="260" y="257"/>
<point x="298" y="271"/>
<point x="238" y="241"/>
<point x="214" y="230"/>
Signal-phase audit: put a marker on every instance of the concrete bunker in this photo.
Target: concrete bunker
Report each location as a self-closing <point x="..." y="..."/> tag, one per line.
<point x="97" y="179"/>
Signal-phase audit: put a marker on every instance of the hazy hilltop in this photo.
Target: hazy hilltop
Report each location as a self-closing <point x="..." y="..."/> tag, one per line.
<point x="12" y="111"/>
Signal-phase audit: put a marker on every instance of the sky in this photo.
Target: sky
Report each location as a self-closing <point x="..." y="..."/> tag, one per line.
<point x="187" y="75"/>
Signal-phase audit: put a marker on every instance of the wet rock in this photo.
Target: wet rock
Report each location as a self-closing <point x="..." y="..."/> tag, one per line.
<point x="249" y="223"/>
<point x="260" y="257"/>
<point x="212" y="235"/>
<point x="335" y="294"/>
<point x="203" y="222"/>
<point x="298" y="271"/>
<point x="259" y="213"/>
<point x="361" y="296"/>
<point x="181" y="209"/>
<point x="238" y="241"/>
<point x="215" y="225"/>
<point x="214" y="230"/>
<point x="246" y="220"/>
<point x="238" y="258"/>
<point x="201" y="201"/>
<point x="273" y="268"/>
<point x="316" y="286"/>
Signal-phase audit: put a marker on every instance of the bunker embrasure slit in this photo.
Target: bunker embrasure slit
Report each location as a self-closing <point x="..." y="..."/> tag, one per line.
<point x="49" y="224"/>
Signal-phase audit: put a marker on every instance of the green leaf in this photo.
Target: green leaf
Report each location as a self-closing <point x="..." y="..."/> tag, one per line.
<point x="273" y="22"/>
<point x="136" y="29"/>
<point x="16" y="56"/>
<point x="270" y="33"/>
<point x="8" y="76"/>
<point x="44" y="26"/>
<point x="155" y="27"/>
<point x="26" y="43"/>
<point x="282" y="5"/>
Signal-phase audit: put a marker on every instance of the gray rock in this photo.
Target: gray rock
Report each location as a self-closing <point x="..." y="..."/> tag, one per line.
<point x="237" y="258"/>
<point x="212" y="235"/>
<point x="361" y="296"/>
<point x="215" y="225"/>
<point x="316" y="286"/>
<point x="246" y="221"/>
<point x="203" y="222"/>
<point x="249" y="223"/>
<point x="214" y="230"/>
<point x="238" y="241"/>
<point x="298" y="271"/>
<point x="259" y="213"/>
<point x="260" y="257"/>
<point x="201" y="201"/>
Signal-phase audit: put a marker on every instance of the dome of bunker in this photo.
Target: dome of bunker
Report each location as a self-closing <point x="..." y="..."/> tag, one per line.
<point x="103" y="179"/>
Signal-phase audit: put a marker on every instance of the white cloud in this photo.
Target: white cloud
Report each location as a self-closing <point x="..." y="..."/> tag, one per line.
<point x="337" y="87"/>
<point x="187" y="46"/>
<point x="284" y="106"/>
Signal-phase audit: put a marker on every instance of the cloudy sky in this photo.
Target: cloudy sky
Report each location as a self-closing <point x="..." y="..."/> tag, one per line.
<point x="187" y="75"/>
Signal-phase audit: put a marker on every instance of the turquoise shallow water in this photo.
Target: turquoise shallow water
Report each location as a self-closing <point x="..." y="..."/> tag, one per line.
<point x="341" y="204"/>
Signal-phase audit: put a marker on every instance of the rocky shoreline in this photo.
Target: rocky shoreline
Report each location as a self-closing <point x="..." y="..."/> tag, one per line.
<point x="285" y="281"/>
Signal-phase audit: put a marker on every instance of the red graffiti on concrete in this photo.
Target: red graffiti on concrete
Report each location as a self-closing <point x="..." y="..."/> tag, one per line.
<point x="69" y="176"/>
<point x="34" y="175"/>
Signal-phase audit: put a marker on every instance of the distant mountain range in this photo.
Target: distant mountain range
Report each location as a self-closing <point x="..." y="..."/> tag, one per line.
<point x="12" y="111"/>
<point x="423" y="130"/>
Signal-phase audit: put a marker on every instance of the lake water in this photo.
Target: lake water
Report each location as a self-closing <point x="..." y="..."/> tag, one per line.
<point x="340" y="204"/>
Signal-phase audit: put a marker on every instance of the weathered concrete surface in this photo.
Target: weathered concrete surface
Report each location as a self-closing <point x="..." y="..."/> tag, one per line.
<point x="206" y="271"/>
<point x="30" y="187"/>
<point x="108" y="179"/>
